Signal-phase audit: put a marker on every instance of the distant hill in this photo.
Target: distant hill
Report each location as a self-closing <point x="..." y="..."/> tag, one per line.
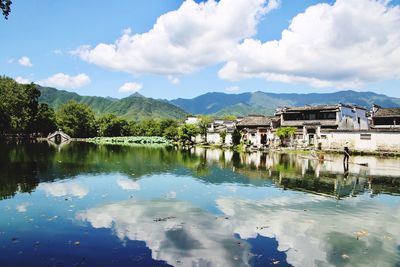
<point x="134" y="107"/>
<point x="266" y="103"/>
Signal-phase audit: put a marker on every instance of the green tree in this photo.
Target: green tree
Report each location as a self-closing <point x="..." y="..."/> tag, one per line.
<point x="19" y="106"/>
<point x="236" y="137"/>
<point x="151" y="127"/>
<point x="5" y="123"/>
<point x="110" y="125"/>
<point x="187" y="131"/>
<point x="45" y="121"/>
<point x="223" y="134"/>
<point x="77" y="120"/>
<point x="203" y="125"/>
<point x="171" y="133"/>
<point x="5" y="6"/>
<point x="285" y="132"/>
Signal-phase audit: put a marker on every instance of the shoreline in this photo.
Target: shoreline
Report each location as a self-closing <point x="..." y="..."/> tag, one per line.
<point x="163" y="142"/>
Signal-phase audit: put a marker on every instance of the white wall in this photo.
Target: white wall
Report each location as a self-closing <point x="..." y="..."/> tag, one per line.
<point x="215" y="138"/>
<point x="379" y="142"/>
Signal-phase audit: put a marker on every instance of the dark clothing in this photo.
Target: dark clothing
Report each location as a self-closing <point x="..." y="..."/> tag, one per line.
<point x="346" y="154"/>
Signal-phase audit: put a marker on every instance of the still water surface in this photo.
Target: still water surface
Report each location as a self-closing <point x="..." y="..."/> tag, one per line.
<point x="89" y="205"/>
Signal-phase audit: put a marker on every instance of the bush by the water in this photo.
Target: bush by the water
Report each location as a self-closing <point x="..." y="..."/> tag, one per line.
<point x="131" y="140"/>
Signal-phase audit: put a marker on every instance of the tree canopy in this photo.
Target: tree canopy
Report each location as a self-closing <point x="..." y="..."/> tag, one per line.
<point x="5" y="6"/>
<point x="77" y="120"/>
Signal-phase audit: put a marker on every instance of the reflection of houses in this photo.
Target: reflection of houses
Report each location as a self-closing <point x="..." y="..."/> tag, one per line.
<point x="384" y="118"/>
<point x="216" y="127"/>
<point x="312" y="121"/>
<point x="258" y="130"/>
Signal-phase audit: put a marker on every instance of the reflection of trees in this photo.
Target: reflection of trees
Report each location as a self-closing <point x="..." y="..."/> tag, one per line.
<point x="25" y="165"/>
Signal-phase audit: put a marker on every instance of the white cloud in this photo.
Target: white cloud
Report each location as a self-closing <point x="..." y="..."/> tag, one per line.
<point x="25" y="61"/>
<point x="172" y="230"/>
<point x="194" y="36"/>
<point x="21" y="80"/>
<point x="130" y="88"/>
<point x="57" y="52"/>
<point x="232" y="89"/>
<point x="296" y="225"/>
<point x="23" y="207"/>
<point x="172" y="79"/>
<point x="10" y="61"/>
<point x="346" y="44"/>
<point x="128" y="184"/>
<point x="66" y="81"/>
<point x="63" y="189"/>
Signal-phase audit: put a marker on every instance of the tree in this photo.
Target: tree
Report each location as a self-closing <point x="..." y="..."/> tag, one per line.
<point x="77" y="120"/>
<point x="167" y="123"/>
<point x="19" y="106"/>
<point x="110" y="125"/>
<point x="187" y="131"/>
<point x="171" y="133"/>
<point x="5" y="6"/>
<point x="203" y="125"/>
<point x="45" y="121"/>
<point x="151" y="127"/>
<point x="236" y="137"/>
<point x="285" y="132"/>
<point x="223" y="134"/>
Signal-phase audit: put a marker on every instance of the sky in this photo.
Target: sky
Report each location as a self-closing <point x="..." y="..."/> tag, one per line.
<point x="181" y="49"/>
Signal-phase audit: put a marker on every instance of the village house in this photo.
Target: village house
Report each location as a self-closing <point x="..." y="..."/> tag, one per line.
<point x="192" y="120"/>
<point x="385" y="118"/>
<point x="216" y="127"/>
<point x="258" y="130"/>
<point x="312" y="122"/>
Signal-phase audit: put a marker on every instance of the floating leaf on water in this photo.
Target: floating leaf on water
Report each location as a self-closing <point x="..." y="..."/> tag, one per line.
<point x="345" y="256"/>
<point x="361" y="233"/>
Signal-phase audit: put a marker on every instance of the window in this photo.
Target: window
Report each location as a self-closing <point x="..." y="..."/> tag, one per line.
<point x="323" y="136"/>
<point x="359" y="120"/>
<point x="365" y="136"/>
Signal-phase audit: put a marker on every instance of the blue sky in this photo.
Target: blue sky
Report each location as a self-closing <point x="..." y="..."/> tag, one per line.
<point x="187" y="48"/>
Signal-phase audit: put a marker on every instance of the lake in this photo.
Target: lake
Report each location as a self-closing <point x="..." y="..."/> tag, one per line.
<point x="88" y="205"/>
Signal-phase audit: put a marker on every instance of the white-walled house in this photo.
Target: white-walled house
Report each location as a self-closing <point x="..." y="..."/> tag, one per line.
<point x="192" y="120"/>
<point x="385" y="118"/>
<point x="258" y="129"/>
<point x="312" y="122"/>
<point x="216" y="127"/>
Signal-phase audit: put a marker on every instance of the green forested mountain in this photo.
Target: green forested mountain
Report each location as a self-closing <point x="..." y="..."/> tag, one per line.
<point x="265" y="103"/>
<point x="135" y="107"/>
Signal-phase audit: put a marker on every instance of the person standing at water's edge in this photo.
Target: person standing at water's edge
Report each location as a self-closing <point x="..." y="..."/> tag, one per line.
<point x="346" y="152"/>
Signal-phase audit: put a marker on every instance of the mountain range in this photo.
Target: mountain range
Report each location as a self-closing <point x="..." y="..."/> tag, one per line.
<point x="136" y="106"/>
<point x="266" y="103"/>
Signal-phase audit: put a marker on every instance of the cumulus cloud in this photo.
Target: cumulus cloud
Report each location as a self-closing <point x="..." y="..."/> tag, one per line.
<point x="194" y="36"/>
<point x="23" y="207"/>
<point x="63" y="189"/>
<point x="172" y="230"/>
<point x="128" y="184"/>
<point x="130" y="88"/>
<point x="309" y="235"/>
<point x="232" y="89"/>
<point x="25" y="61"/>
<point x="172" y="79"/>
<point x="21" y="80"/>
<point x="66" y="81"/>
<point x="346" y="44"/>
